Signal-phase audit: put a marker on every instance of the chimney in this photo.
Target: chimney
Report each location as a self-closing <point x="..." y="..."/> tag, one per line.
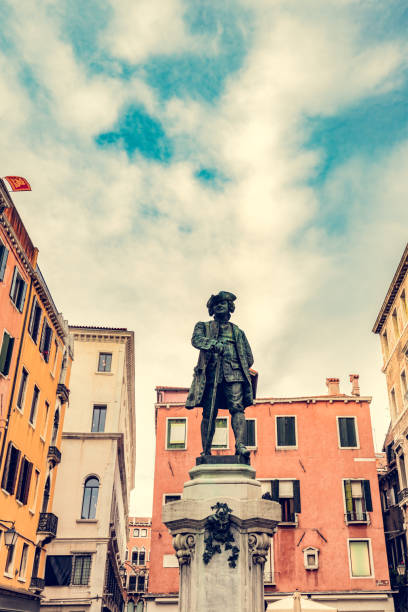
<point x="355" y="387"/>
<point x="333" y="385"/>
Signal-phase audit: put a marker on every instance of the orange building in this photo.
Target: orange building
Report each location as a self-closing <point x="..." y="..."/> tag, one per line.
<point x="35" y="362"/>
<point x="315" y="456"/>
<point x="137" y="562"/>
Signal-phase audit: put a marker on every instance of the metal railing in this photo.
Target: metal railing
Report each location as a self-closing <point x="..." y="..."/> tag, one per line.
<point x="48" y="523"/>
<point x="37" y="583"/>
<point x="356" y="517"/>
<point x="402" y="495"/>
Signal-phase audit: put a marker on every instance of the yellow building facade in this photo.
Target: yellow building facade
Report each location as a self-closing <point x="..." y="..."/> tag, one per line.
<point x="33" y="407"/>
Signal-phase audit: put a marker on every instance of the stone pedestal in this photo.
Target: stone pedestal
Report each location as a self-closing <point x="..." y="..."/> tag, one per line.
<point x="221" y="530"/>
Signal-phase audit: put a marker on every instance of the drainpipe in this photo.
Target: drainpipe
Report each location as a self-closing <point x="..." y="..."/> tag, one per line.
<point x="13" y="388"/>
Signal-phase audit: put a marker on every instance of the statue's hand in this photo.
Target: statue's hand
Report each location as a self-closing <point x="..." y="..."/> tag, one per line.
<point x="219" y="348"/>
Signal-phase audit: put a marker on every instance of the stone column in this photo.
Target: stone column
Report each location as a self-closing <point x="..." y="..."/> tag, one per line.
<point x="221" y="531"/>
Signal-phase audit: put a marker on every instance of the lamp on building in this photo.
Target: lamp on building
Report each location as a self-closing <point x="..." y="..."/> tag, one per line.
<point x="401" y="569"/>
<point x="10" y="535"/>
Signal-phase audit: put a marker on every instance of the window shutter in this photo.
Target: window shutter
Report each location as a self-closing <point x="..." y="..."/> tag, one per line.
<point x="343" y="432"/>
<point x="280" y="422"/>
<point x="3" y="352"/>
<point x="3" y="260"/>
<point x="351" y="432"/>
<point x="42" y="339"/>
<point x="23" y="294"/>
<point x="32" y="317"/>
<point x="8" y="356"/>
<point x="348" y="496"/>
<point x="13" y="283"/>
<point x="296" y="496"/>
<point x="27" y="482"/>
<point x="6" y="467"/>
<point x="367" y="496"/>
<point x="275" y="490"/>
<point x="290" y="431"/>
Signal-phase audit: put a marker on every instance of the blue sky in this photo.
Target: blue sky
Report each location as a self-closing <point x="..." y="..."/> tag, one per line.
<point x="178" y="148"/>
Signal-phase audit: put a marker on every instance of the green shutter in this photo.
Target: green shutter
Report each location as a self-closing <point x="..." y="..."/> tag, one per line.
<point x="348" y="496"/>
<point x="13" y="284"/>
<point x="351" y="432"/>
<point x="23" y="294"/>
<point x="3" y="352"/>
<point x="296" y="496"/>
<point x="367" y="496"/>
<point x="3" y="260"/>
<point x="280" y="431"/>
<point x="343" y="431"/>
<point x="275" y="490"/>
<point x="290" y="430"/>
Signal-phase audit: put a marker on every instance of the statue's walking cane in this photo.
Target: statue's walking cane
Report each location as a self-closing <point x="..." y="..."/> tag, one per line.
<point x="213" y="396"/>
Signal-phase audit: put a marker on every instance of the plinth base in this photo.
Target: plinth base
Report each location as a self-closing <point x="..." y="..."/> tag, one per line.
<point x="222" y="460"/>
<point x="221" y="533"/>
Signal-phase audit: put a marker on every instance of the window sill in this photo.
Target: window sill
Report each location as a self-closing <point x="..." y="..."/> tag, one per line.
<point x="288" y="524"/>
<point x="5" y="492"/>
<point x="87" y="520"/>
<point x="279" y="448"/>
<point x="8" y="575"/>
<point x="32" y="512"/>
<point x="20" y="503"/>
<point x="22" y="579"/>
<point x="42" y="439"/>
<point x="105" y="373"/>
<point x="178" y="449"/>
<point x="20" y="410"/>
<point x="31" y="425"/>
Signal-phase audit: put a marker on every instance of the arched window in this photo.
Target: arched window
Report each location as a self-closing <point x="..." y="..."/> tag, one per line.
<point x="135" y="555"/>
<point x="142" y="557"/>
<point x="90" y="498"/>
<point x="55" y="428"/>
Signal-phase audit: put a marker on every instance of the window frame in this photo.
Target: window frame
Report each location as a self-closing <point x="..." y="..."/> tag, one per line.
<point x="6" y="469"/>
<point x="24" y="480"/>
<point x="22" y="392"/>
<point x="367" y="501"/>
<point x="88" y="478"/>
<point x="164" y="502"/>
<point x="8" y="353"/>
<point x="76" y="556"/>
<point x="104" y="371"/>
<point x="4" y="252"/>
<point x="34" y="325"/>
<point x="227" y="431"/>
<point x="10" y="561"/>
<point x="347" y="416"/>
<point x="46" y="337"/>
<point x="35" y="400"/>
<point x="167" y="444"/>
<point x="22" y="571"/>
<point x="250" y="447"/>
<point x="297" y="498"/>
<point x="98" y="407"/>
<point x="18" y="292"/>
<point x="370" y="556"/>
<point x="285" y="446"/>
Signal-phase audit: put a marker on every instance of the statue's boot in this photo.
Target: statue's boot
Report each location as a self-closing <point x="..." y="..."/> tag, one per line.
<point x="238" y="427"/>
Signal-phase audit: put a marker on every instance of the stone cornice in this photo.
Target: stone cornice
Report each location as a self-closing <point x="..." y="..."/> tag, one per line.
<point x="392" y="292"/>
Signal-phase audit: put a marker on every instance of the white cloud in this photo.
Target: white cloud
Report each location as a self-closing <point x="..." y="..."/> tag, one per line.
<point x="302" y="298"/>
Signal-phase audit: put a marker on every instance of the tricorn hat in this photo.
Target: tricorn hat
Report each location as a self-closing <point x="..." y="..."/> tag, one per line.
<point x="221" y="295"/>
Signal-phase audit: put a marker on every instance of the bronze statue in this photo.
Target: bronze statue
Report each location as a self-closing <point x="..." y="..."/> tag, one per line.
<point x="221" y="378"/>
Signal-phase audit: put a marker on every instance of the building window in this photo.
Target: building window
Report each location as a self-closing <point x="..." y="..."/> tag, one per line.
<point x="10" y="469"/>
<point x="286" y="431"/>
<point x="220" y="439"/>
<point x="82" y="569"/>
<point x="45" y="342"/>
<point x="35" y="320"/>
<point x="357" y="496"/>
<point x="176" y="434"/>
<point x="132" y="582"/>
<point x="35" y="489"/>
<point x="360" y="558"/>
<point x="403" y="301"/>
<point x="18" y="290"/>
<point x="135" y="556"/>
<point x="138" y="556"/>
<point x="23" y="562"/>
<point x="24" y="481"/>
<point x="10" y="561"/>
<point x="386" y="348"/>
<point x="98" y="418"/>
<point x="3" y="260"/>
<point x="55" y="428"/>
<point x="250" y="433"/>
<point x="395" y="324"/>
<point x="269" y="567"/>
<point x="135" y="533"/>
<point x="22" y="389"/>
<point x="90" y="498"/>
<point x="105" y="362"/>
<point x="46" y="413"/>
<point x="393" y="402"/>
<point x="142" y="557"/>
<point x="54" y="365"/>
<point x="140" y="583"/>
<point x="6" y="353"/>
<point x="143" y="533"/>
<point x="171" y="497"/>
<point x="126" y="554"/>
<point x="311" y="558"/>
<point x="58" y="570"/>
<point x="404" y="387"/>
<point x="287" y="493"/>
<point x="34" y="405"/>
<point x="347" y="432"/>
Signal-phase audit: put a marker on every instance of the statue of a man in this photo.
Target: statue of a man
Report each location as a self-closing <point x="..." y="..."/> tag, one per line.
<point x="221" y="378"/>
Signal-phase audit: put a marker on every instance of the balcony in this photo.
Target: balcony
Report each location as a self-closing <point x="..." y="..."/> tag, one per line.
<point x="402" y="496"/>
<point x="63" y="393"/>
<point x="54" y="455"/>
<point x="47" y="524"/>
<point x="37" y="584"/>
<point x="356" y="517"/>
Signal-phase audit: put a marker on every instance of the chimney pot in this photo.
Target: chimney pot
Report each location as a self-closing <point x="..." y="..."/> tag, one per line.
<point x="355" y="387"/>
<point x="333" y="385"/>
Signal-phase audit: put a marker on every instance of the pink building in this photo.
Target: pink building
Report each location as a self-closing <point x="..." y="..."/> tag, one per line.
<point x="314" y="455"/>
<point x="137" y="561"/>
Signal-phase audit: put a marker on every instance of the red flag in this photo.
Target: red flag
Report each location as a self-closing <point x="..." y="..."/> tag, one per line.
<point x="18" y="183"/>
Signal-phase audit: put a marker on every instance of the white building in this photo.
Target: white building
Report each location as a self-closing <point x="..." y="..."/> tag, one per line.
<point x="96" y="474"/>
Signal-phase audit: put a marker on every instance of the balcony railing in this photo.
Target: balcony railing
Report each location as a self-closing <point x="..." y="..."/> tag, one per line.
<point x="63" y="393"/>
<point x="402" y="495"/>
<point x="54" y="455"/>
<point x="356" y="517"/>
<point x="47" y="524"/>
<point x="37" y="584"/>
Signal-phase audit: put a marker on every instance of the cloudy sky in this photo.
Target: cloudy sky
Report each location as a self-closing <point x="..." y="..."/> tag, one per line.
<point x="176" y="148"/>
